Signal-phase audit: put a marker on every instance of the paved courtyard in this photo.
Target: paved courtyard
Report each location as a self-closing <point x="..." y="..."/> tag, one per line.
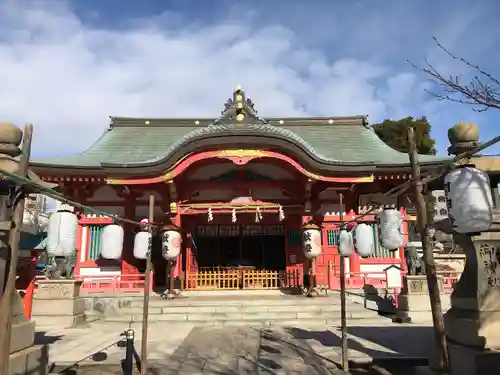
<point x="182" y="349"/>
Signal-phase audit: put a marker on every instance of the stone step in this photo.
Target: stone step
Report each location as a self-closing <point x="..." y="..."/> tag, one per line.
<point x="184" y="302"/>
<point x="240" y="316"/>
<point x="332" y="321"/>
<point x="257" y="308"/>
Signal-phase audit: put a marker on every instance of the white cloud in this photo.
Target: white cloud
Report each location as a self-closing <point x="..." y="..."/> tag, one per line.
<point x="67" y="77"/>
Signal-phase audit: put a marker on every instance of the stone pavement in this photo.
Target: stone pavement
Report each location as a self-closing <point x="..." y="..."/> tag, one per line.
<point x="189" y="350"/>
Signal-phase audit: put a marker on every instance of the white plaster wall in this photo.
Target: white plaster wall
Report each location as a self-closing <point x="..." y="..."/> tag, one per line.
<point x="367" y="268"/>
<point x="145" y="197"/>
<point x="142" y="212"/>
<point x="105" y="193"/>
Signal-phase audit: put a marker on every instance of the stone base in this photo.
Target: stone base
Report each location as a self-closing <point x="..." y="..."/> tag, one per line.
<point x="66" y="321"/>
<point x="57" y="303"/>
<point x="30" y="361"/>
<point x="24" y="357"/>
<point x="414" y="302"/>
<point x="23" y="336"/>
<point x="58" y="307"/>
<point x="488" y="363"/>
<point x="471" y="361"/>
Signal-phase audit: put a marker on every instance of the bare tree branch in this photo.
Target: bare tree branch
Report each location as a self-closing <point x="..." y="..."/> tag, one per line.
<point x="483" y="90"/>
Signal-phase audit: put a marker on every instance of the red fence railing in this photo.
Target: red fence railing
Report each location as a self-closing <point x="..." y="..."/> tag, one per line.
<point x="135" y="283"/>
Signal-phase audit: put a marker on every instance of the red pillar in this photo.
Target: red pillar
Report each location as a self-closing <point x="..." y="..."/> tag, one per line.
<point x="79" y="233"/>
<point x="30" y="290"/>
<point x="178" y="264"/>
<point x="354" y="264"/>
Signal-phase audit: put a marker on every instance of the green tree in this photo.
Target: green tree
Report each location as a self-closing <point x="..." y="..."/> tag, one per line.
<point x="395" y="134"/>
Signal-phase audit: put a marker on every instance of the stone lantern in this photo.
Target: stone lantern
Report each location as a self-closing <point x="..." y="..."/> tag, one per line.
<point x="472" y="324"/>
<point x="24" y="356"/>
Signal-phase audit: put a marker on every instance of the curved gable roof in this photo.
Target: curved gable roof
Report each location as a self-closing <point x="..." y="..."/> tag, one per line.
<point x="136" y="142"/>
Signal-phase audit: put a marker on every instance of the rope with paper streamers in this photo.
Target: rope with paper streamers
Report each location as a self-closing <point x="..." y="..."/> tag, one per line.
<point x="38" y="188"/>
<point x="392" y="193"/>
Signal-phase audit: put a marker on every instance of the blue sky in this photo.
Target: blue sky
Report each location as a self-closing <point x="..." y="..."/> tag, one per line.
<point x="68" y="65"/>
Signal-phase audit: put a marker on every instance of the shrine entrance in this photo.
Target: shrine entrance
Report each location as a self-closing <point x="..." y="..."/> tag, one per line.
<point x="238" y="256"/>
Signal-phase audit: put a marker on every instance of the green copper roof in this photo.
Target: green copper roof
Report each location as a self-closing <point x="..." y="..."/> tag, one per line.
<point x="132" y="142"/>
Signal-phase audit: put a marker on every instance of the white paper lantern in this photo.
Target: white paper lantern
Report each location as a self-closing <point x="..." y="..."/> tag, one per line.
<point x="390" y="228"/>
<point x="364" y="240"/>
<point x="61" y="234"/>
<point x="469" y="199"/>
<point x="112" y="242"/>
<point x="171" y="246"/>
<point x="142" y="245"/>
<point x="346" y="243"/>
<point x="311" y="242"/>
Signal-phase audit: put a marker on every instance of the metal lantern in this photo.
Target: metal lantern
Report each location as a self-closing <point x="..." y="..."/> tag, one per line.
<point x="469" y="199"/>
<point x="311" y="241"/>
<point x="346" y="243"/>
<point x="61" y="234"/>
<point x="390" y="223"/>
<point x="112" y="242"/>
<point x="141" y="244"/>
<point x="171" y="244"/>
<point x="364" y="240"/>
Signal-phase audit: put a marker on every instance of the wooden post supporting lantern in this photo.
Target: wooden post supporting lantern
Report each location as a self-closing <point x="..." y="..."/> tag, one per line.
<point x="171" y="248"/>
<point x="312" y="247"/>
<point x="147" y="282"/>
<point x="343" y="312"/>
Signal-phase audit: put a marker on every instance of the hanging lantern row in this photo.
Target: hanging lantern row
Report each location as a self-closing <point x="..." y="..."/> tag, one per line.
<point x="112" y="242"/>
<point x="62" y="232"/>
<point x="469" y="200"/>
<point x="142" y="241"/>
<point x="390" y="227"/>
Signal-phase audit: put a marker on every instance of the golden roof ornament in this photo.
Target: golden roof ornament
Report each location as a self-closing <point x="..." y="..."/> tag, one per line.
<point x="239" y="108"/>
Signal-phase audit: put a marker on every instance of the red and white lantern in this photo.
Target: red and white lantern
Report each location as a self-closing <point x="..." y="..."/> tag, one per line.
<point x="171" y="244"/>
<point x="311" y="241"/>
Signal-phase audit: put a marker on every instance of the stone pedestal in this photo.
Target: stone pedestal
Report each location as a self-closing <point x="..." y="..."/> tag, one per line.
<point x="414" y="302"/>
<point x="473" y="323"/>
<point x="25" y="357"/>
<point x="58" y="303"/>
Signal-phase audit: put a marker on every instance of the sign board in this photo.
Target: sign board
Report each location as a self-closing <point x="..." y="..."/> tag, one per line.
<point x="393" y="277"/>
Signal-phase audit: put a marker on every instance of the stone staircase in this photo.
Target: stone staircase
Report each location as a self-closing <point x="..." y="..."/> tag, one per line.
<point x="242" y="309"/>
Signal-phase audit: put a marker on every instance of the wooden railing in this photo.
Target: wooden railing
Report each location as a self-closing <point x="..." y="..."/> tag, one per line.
<point x="233" y="279"/>
<point x="215" y="279"/>
<point x="114" y="284"/>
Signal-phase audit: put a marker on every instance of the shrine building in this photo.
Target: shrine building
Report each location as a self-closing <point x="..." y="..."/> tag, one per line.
<point x="240" y="187"/>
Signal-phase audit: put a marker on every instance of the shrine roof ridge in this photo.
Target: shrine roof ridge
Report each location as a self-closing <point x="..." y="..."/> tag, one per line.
<point x="120" y="121"/>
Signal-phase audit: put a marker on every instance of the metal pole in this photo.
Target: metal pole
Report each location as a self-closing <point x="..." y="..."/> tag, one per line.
<point x="129" y="352"/>
<point x="343" y="313"/>
<point x="428" y="256"/>
<point x="7" y="299"/>
<point x="171" y="279"/>
<point x="147" y="281"/>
